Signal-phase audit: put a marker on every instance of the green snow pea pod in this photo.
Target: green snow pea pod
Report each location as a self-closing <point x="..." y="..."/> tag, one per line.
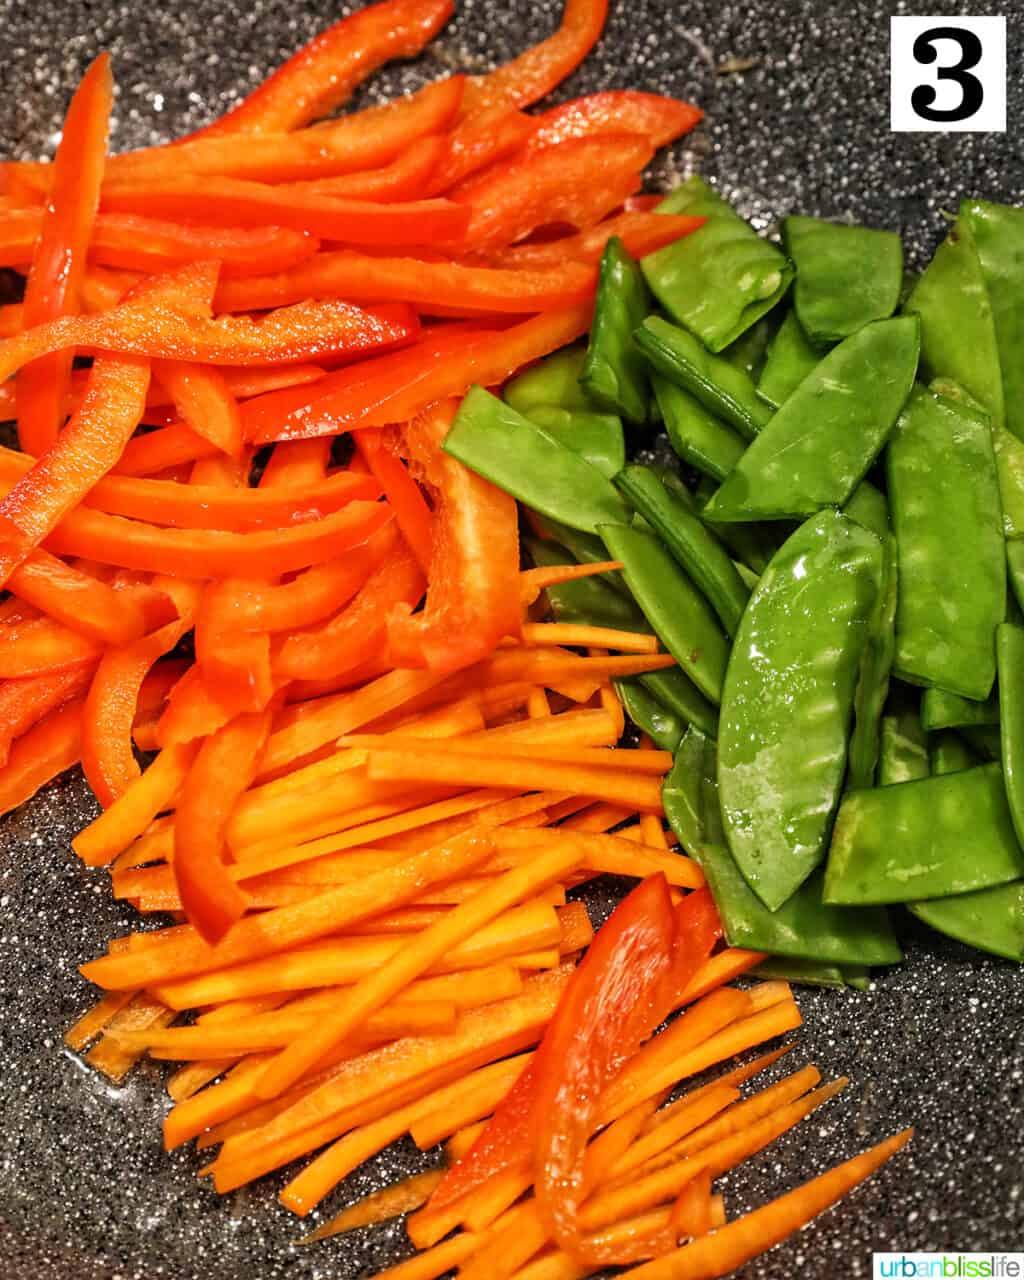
<point x="805" y="973"/>
<point x="985" y="740"/>
<point x="944" y="495"/>
<point x="805" y="927"/>
<point x="999" y="236"/>
<point x="682" y="791"/>
<point x="949" y="753"/>
<point x="790" y="359"/>
<point x="941" y="709"/>
<point x="788" y="700"/>
<point x="598" y="437"/>
<point x="902" y="748"/>
<point x="584" y="548"/>
<point x="873" y="680"/>
<point x="587" y="601"/>
<point x="819" y="445"/>
<point x="942" y="835"/>
<point x="753" y="544"/>
<point x="491" y="438"/>
<point x="711" y="805"/>
<point x="682" y="697"/>
<point x="867" y="505"/>
<point x="750" y="349"/>
<point x="553" y="380"/>
<point x="719" y="386"/>
<point x="695" y="434"/>
<point x="681" y="617"/>
<point x="689" y="541"/>
<point x="664" y="728"/>
<point x="1010" y="660"/>
<point x="614" y="373"/>
<point x="724" y="277"/>
<point x="1015" y="565"/>
<point x="990" y="919"/>
<point x="846" y="277"/>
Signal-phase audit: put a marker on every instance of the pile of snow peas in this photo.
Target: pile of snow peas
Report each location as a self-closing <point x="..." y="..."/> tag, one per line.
<point x="827" y="556"/>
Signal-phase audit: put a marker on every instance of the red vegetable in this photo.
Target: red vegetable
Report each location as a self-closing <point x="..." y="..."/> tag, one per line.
<point x="659" y="120"/>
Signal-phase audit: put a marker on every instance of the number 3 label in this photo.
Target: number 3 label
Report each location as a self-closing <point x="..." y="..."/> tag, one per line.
<point x="948" y="75"/>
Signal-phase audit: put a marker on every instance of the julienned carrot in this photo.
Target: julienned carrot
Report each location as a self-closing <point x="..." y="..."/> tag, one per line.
<point x="610" y="855"/>
<point x="566" y="633"/>
<point x="730" y="1246"/>
<point x="468" y="1105"/>
<point x="533" y="581"/>
<point x="524" y="745"/>
<point x="692" y="1112"/>
<point x="381" y="1206"/>
<point x="95" y="1020"/>
<point x="720" y="969"/>
<point x="108" y="1056"/>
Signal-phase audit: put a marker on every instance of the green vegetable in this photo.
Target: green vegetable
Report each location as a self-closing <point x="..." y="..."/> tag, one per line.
<point x="750" y="349"/>
<point x="902" y="748"/>
<point x="991" y="919"/>
<point x="689" y="541"/>
<point x="873" y="680"/>
<point x="984" y="740"/>
<point x="662" y="726"/>
<point x="500" y="444"/>
<point x="941" y="709"/>
<point x="945" y="505"/>
<point x="806" y="973"/>
<point x="588" y="601"/>
<point x="696" y="435"/>
<point x="867" y="505"/>
<point x="720" y="280"/>
<point x="788" y="700"/>
<point x="679" y="614"/>
<point x="614" y="373"/>
<point x="597" y="437"/>
<point x="584" y="548"/>
<point x="1015" y="566"/>
<point x="682" y="790"/>
<point x="720" y="387"/>
<point x="1010" y="655"/>
<point x="949" y="753"/>
<point x="553" y="380"/>
<point x="819" y="445"/>
<point x="790" y="359"/>
<point x="943" y="835"/>
<point x="682" y="697"/>
<point x="846" y="277"/>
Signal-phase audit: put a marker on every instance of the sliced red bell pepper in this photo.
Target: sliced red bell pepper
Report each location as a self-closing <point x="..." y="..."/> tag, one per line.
<point x="46" y="750"/>
<point x="640" y="232"/>
<point x="536" y="72"/>
<point x="469" y="608"/>
<point x="576" y="182"/>
<point x="698" y="929"/>
<point x="12" y="320"/>
<point x="478" y="141"/>
<point x="412" y="515"/>
<point x="223" y="769"/>
<point x="53" y="284"/>
<point x="205" y="401"/>
<point x="157" y="451"/>
<point x="236" y="663"/>
<point x="405" y="178"/>
<point x="23" y="703"/>
<point x="194" y="710"/>
<point x="325" y="72"/>
<point x="659" y="120"/>
<point x="39" y="646"/>
<point x="301" y="462"/>
<point x="432" y="287"/>
<point x="235" y="202"/>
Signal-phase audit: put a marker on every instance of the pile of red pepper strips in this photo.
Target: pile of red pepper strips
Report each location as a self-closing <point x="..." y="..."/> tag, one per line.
<point x="272" y="280"/>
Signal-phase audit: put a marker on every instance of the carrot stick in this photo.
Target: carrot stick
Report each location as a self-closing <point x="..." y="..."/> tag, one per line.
<point x="598" y="818"/>
<point x="189" y="1079"/>
<point x="647" y="763"/>
<point x="697" y="1109"/>
<point x="734" y="1244"/>
<point x="475" y="1100"/>
<point x="435" y="1262"/>
<point x="737" y="1076"/>
<point x="691" y="1213"/>
<point x="141" y="1012"/>
<point x="533" y="581"/>
<point x="91" y="1023"/>
<point x="720" y="969"/>
<point x="402" y="1197"/>
<point x="610" y="855"/>
<point x="568" y="633"/>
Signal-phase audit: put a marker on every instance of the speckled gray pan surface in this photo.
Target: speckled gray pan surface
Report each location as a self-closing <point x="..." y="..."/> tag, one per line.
<point x="85" y="1190"/>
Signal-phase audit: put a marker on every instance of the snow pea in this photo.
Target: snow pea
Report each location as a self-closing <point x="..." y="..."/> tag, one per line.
<point x="941" y="709"/>
<point x="589" y="601"/>
<point x="867" y="505"/>
<point x="677" y="691"/>
<point x="689" y="541"/>
<point x="944" y="494"/>
<point x="681" y="617"/>
<point x="614" y="373"/>
<point x="664" y="728"/>
<point x="819" y="445"/>
<point x="902" y="748"/>
<point x="846" y="276"/>
<point x="989" y="919"/>
<point x="942" y="835"/>
<point x="984" y="740"/>
<point x="790" y="359"/>
<point x="1010" y="657"/>
<point x="949" y="753"/>
<point x="720" y="280"/>
<point x="584" y="548"/>
<point x="498" y="443"/>
<point x="788" y="700"/>
<point x="696" y="434"/>
<point x="805" y="973"/>
<point x="682" y="790"/>
<point x="873" y="680"/>
<point x="720" y="387"/>
<point x="999" y="235"/>
<point x="553" y="380"/>
<point x="598" y="437"/>
<point x="750" y="349"/>
<point x="805" y="927"/>
<point x="1015" y="566"/>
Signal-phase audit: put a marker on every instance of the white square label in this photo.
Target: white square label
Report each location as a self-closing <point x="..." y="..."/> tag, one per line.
<point x="948" y="75"/>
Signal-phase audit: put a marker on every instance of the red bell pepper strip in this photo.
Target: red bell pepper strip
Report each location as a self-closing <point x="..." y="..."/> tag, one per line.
<point x="223" y="769"/>
<point x="325" y="72"/>
<point x="12" y="319"/>
<point x="478" y="141"/>
<point x="158" y="451"/>
<point x="37" y="646"/>
<point x="236" y="202"/>
<point x="204" y="400"/>
<point x="302" y="462"/>
<point x="469" y="608"/>
<point x="536" y="72"/>
<point x="358" y="634"/>
<point x="194" y="710"/>
<point x="54" y="281"/>
<point x="110" y="710"/>
<point x="659" y="120"/>
<point x="432" y="287"/>
<point x="405" y="178"/>
<point x="578" y="182"/>
<point x="412" y="515"/>
<point x="23" y="703"/>
<point x="640" y="232"/>
<point x="697" y="931"/>
<point x="46" y="750"/>
<point x="642" y="203"/>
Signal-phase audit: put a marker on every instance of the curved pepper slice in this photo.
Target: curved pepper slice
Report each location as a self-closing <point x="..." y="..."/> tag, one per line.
<point x="204" y="400"/>
<point x="24" y="703"/>
<point x="58" y="264"/>
<point x="661" y="120"/>
<point x="405" y="178"/>
<point x="478" y="141"/>
<point x="45" y="751"/>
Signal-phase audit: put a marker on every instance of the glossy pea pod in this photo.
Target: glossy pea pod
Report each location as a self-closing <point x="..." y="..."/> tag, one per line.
<point x="867" y="505"/>
<point x="720" y="280"/>
<point x="664" y="728"/>
<point x="902" y="747"/>
<point x="788" y="701"/>
<point x="846" y="276"/>
<point x="555" y="380"/>
<point x="682" y="791"/>
<point x="689" y="541"/>
<point x="873" y="680"/>
<point x="946" y="514"/>
<point x="491" y="438"/>
<point x="791" y="357"/>
<point x="948" y="834"/>
<point x="990" y="919"/>
<point x="614" y="373"/>
<point x="941" y="709"/>
<point x="1010" y="657"/>
<point x="597" y="437"/>
<point x="949" y="753"/>
<point x="750" y="350"/>
<point x="696" y="435"/>
<point x="818" y="446"/>
<point x="676" y="691"/>
<point x="813" y="973"/>
<point x="681" y="617"/>
<point x="720" y="387"/>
